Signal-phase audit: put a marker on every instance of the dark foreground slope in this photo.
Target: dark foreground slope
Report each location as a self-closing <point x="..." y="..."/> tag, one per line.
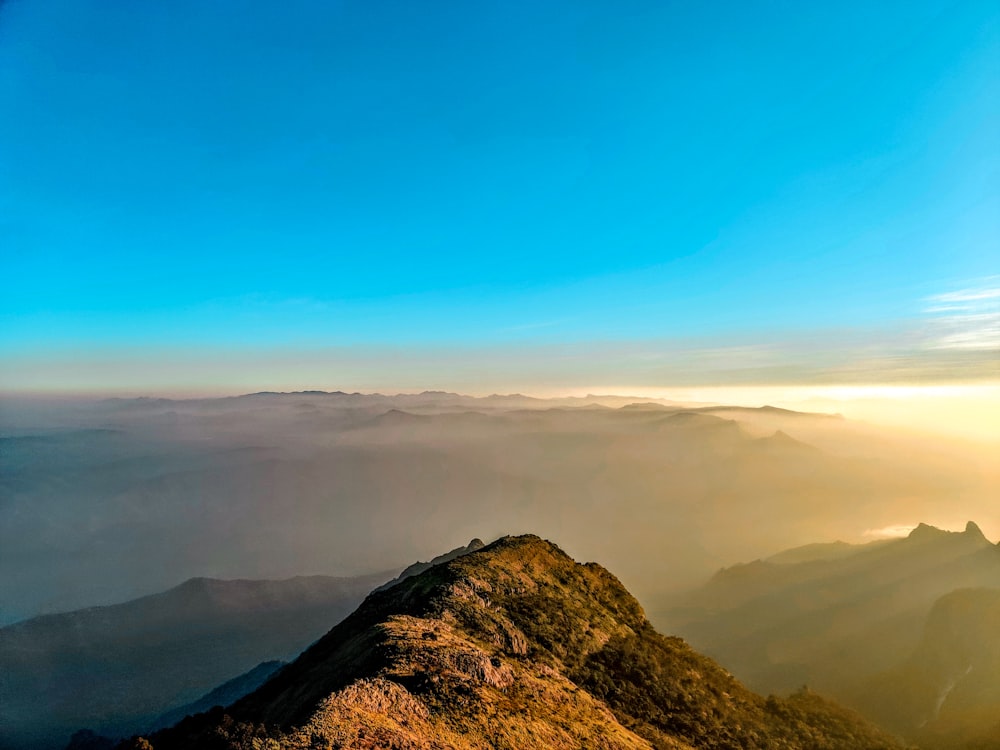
<point x="513" y="646"/>
<point x="228" y="692"/>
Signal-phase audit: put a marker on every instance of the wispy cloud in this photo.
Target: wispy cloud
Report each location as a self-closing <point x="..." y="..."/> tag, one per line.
<point x="966" y="318"/>
<point x="967" y="296"/>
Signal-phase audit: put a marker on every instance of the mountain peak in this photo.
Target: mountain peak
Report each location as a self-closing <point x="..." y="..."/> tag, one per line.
<point x="782" y="441"/>
<point x="512" y="645"/>
<point x="782" y="437"/>
<point x="419" y="567"/>
<point x="972" y="530"/>
<point x="926" y="531"/>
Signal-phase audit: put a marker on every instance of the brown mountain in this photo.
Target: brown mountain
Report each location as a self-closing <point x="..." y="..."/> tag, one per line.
<point x="512" y="646"/>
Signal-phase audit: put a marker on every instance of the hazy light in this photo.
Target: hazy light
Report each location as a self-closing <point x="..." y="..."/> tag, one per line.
<point x="970" y="410"/>
<point x="890" y="532"/>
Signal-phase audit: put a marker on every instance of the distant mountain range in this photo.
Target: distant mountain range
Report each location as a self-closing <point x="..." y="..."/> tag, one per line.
<point x="904" y="630"/>
<point x="107" y="500"/>
<point x="104" y="500"/>
<point x="512" y="646"/>
<point x="226" y="693"/>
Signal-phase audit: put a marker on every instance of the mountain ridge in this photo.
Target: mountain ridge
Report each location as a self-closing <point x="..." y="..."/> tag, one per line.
<point x="838" y="621"/>
<point x="514" y="645"/>
<point x="419" y="567"/>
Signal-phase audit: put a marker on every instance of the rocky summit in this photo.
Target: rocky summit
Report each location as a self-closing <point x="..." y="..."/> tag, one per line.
<point x="512" y="646"/>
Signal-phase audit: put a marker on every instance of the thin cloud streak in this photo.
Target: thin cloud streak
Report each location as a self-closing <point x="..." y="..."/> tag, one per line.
<point x="968" y="295"/>
<point x="826" y="357"/>
<point x="967" y="318"/>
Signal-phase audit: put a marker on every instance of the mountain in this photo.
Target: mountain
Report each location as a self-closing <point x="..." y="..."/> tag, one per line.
<point x="837" y="617"/>
<point x="820" y="551"/>
<point x="419" y="567"/>
<point x="947" y="693"/>
<point x="105" y="501"/>
<point x="115" y="669"/>
<point x="512" y="646"/>
<point x="228" y="692"/>
<point x="146" y="664"/>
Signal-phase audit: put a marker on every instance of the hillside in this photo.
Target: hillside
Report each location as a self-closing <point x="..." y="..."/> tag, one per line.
<point x="226" y="693"/>
<point x="147" y="663"/>
<point x="116" y="669"/>
<point x="946" y="694"/>
<point x="513" y="646"/>
<point x="843" y="616"/>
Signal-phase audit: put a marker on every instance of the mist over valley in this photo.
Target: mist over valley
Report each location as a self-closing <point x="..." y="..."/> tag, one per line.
<point x="108" y="500"/>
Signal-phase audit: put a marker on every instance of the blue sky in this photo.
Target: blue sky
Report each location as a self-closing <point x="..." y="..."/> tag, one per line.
<point x="327" y="178"/>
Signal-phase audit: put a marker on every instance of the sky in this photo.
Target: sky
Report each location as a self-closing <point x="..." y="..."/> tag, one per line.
<point x="548" y="197"/>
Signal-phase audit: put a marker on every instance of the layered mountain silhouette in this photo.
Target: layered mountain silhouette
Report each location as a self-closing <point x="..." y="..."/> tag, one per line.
<point x="512" y="646"/>
<point x="115" y="669"/>
<point x="103" y="501"/>
<point x="145" y="664"/>
<point x="892" y="628"/>
<point x="226" y="693"/>
<point x="108" y="500"/>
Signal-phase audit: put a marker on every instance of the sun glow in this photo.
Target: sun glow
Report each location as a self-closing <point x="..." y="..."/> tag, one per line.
<point x="966" y="410"/>
<point x="889" y="532"/>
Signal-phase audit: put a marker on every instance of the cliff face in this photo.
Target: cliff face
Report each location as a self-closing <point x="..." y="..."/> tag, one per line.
<point x="947" y="693"/>
<point x="512" y="646"/>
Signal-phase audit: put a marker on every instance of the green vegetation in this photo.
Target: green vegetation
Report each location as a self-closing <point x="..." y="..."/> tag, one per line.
<point x="658" y="686"/>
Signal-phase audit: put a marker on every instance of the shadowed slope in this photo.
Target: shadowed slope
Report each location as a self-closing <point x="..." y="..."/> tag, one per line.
<point x="843" y="615"/>
<point x="947" y="693"/>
